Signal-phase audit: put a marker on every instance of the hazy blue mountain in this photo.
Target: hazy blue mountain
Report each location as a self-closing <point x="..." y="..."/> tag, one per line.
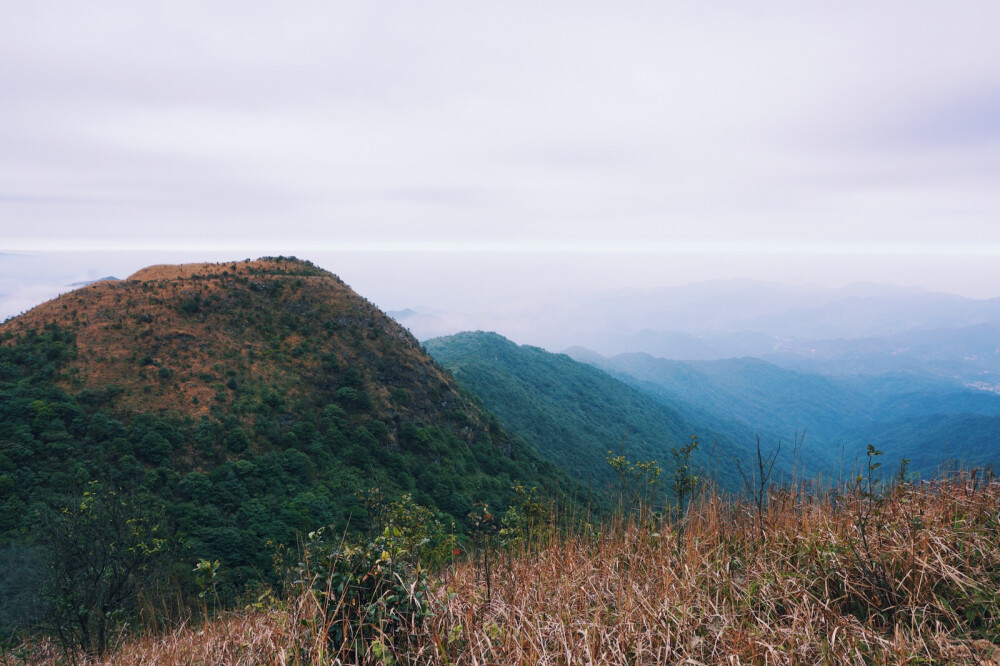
<point x="875" y="316"/>
<point x="933" y="441"/>
<point x="970" y="355"/>
<point x="919" y="416"/>
<point x="722" y="319"/>
<point x="688" y="346"/>
<point x="109" y="278"/>
<point x="781" y="311"/>
<point x="770" y="401"/>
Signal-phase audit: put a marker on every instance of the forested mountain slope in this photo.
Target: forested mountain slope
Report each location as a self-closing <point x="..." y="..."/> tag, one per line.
<point x="575" y="414"/>
<point x="249" y="400"/>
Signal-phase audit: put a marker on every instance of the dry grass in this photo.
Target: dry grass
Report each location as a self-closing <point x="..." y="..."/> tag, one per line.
<point x="128" y="331"/>
<point x="796" y="590"/>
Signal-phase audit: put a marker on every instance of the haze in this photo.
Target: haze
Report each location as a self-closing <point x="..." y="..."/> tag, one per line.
<point x="461" y="157"/>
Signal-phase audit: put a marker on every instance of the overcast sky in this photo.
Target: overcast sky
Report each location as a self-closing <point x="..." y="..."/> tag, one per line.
<point x="789" y="140"/>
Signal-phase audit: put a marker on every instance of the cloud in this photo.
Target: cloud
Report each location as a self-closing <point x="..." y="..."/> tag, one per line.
<point x="365" y="125"/>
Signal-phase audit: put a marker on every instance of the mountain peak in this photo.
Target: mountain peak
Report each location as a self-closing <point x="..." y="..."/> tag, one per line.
<point x="210" y="338"/>
<point x="290" y="266"/>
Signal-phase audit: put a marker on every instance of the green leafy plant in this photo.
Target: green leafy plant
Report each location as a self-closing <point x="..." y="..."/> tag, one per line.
<point x="638" y="482"/>
<point x="483" y="526"/>
<point x="524" y="520"/>
<point x="372" y="595"/>
<point x="866" y="543"/>
<point x="105" y="547"/>
<point x="686" y="484"/>
<point x="206" y="577"/>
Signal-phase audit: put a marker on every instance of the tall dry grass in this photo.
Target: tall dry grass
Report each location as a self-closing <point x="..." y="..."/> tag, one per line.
<point x="794" y="584"/>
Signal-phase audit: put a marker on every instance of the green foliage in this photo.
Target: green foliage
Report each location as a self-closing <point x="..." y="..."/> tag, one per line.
<point x="525" y="520"/>
<point x="237" y="440"/>
<point x="104" y="549"/>
<point x="354" y="399"/>
<point x="638" y="482"/>
<point x="153" y="448"/>
<point x="569" y="411"/>
<point x="206" y="577"/>
<point x="22" y="575"/>
<point x="483" y="526"/>
<point x="191" y="305"/>
<point x="869" y="513"/>
<point x="685" y="481"/>
<point x="374" y="590"/>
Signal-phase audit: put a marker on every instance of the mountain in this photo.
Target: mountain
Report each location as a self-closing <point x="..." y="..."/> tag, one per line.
<point x="768" y="398"/>
<point x="969" y="354"/>
<point x="687" y="346"/>
<point x="574" y="414"/>
<point x="109" y="278"/>
<point x="716" y="319"/>
<point x="783" y="311"/>
<point x="924" y="418"/>
<point x="425" y="323"/>
<point x="252" y="399"/>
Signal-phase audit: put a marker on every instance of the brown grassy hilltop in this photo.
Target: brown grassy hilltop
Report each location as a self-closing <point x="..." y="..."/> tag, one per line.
<point x="196" y="338"/>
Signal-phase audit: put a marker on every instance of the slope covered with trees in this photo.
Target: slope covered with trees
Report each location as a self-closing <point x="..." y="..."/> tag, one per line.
<point x="220" y="410"/>
<point x="574" y="414"/>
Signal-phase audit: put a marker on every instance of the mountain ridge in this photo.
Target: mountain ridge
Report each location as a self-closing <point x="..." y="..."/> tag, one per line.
<point x="576" y="414"/>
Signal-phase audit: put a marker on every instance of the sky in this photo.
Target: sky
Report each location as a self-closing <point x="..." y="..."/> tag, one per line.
<point x="441" y="154"/>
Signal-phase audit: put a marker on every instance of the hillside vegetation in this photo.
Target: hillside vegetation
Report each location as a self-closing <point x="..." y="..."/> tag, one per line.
<point x="218" y="412"/>
<point x="872" y="574"/>
<point x="575" y="414"/>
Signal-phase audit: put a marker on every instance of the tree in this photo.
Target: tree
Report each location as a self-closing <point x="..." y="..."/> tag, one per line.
<point x="104" y="548"/>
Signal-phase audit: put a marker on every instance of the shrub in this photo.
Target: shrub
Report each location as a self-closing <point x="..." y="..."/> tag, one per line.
<point x="375" y="593"/>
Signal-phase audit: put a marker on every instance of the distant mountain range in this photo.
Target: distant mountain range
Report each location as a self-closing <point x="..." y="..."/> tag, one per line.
<point x="913" y="372"/>
<point x="969" y="354"/>
<point x="574" y="414"/>
<point x="781" y="311"/>
<point x="109" y="278"/>
<point x="858" y="329"/>
<point x="732" y="318"/>
<point x="922" y="417"/>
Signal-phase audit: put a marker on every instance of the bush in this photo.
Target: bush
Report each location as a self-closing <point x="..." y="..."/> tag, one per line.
<point x="363" y="592"/>
<point x="154" y="448"/>
<point x="373" y="594"/>
<point x="238" y="441"/>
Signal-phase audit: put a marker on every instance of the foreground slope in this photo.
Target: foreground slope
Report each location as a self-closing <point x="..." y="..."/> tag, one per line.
<point x="796" y="584"/>
<point x="253" y="399"/>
